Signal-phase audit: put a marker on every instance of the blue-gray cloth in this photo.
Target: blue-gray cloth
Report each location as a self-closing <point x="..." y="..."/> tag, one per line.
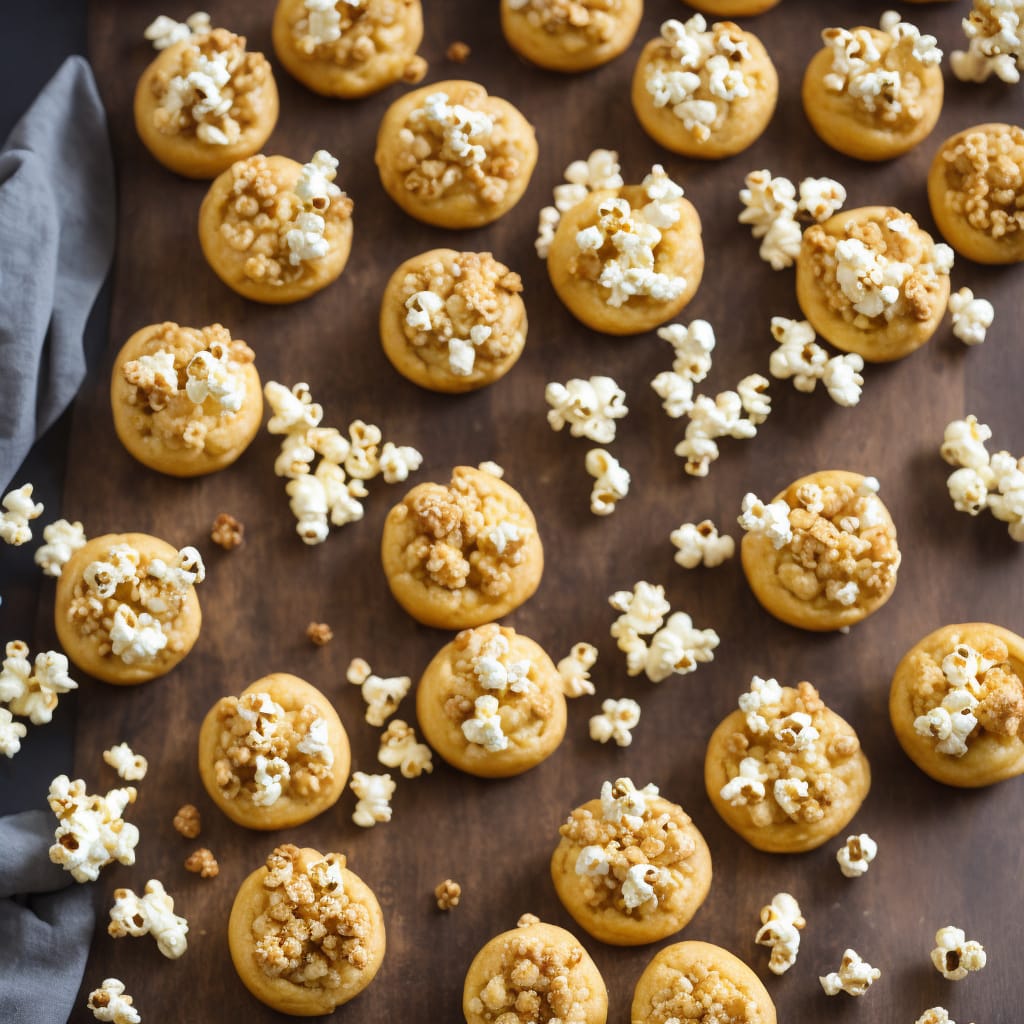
<point x="57" y="212"/>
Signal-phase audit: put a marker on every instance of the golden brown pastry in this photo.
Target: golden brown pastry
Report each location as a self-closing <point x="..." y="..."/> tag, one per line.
<point x="350" y="48"/>
<point x="784" y="771"/>
<point x="306" y="934"/>
<point x="631" y="867"/>
<point x="275" y="756"/>
<point x="957" y="704"/>
<point x="491" y="702"/>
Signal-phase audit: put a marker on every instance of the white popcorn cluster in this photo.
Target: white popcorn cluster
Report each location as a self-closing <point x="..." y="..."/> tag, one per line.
<point x="31" y="690"/>
<point x="63" y="539"/>
<point x="400" y="749"/>
<point x="955" y="956"/>
<point x="692" y="347"/>
<point x="484" y="728"/>
<point x="18" y="511"/>
<point x="856" y="854"/>
<point x="135" y="638"/>
<point x="799" y="357"/>
<point x="700" y="544"/>
<point x="150" y="914"/>
<point x="91" y="832"/>
<point x="421" y="307"/>
<point x="854" y="977"/>
<point x="493" y="670"/>
<point x="622" y="801"/>
<point x="212" y="373"/>
<point x="321" y="24"/>
<point x="611" y="481"/>
<point x="617" y="720"/>
<point x="705" y="58"/>
<point x="935" y="1015"/>
<point x="599" y="170"/>
<point x="675" y="647"/>
<point x="771" y="207"/>
<point x="460" y="129"/>
<point x="574" y="670"/>
<point x="165" y="31"/>
<point x="984" y="480"/>
<point x="588" y="407"/>
<point x="110" y="1002"/>
<point x="315" y="191"/>
<point x="11" y="733"/>
<point x="781" y="923"/>
<point x="327" y="496"/>
<point x="995" y="42"/>
<point x="373" y="798"/>
<point x="129" y="766"/>
<point x="382" y="696"/>
<point x="199" y="93"/>
<point x="771" y="520"/>
<point x="971" y="317"/>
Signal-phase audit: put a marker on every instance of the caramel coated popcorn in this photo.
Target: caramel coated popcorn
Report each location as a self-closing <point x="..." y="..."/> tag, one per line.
<point x="319" y="634"/>
<point x="227" y="532"/>
<point x="187" y="821"/>
<point x="203" y="863"/>
<point x="448" y="894"/>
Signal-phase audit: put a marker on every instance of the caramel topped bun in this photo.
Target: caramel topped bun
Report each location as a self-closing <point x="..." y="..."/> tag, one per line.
<point x="784" y="771"/>
<point x="275" y="230"/>
<point x="874" y="93"/>
<point x="462" y="554"/>
<point x="491" y="702"/>
<point x="305" y="933"/>
<point x="186" y="400"/>
<point x="631" y="867"/>
<point x="704" y="92"/>
<point x="957" y="704"/>
<point x="976" y="192"/>
<point x="535" y="972"/>
<point x="350" y="48"/>
<point x="453" y="321"/>
<point x="625" y="260"/>
<point x="698" y="983"/>
<point x="823" y="554"/>
<point x="733" y="8"/>
<point x="453" y="156"/>
<point x="871" y="281"/>
<point x="126" y="609"/>
<point x="275" y="756"/>
<point x="573" y="36"/>
<point x="205" y="101"/>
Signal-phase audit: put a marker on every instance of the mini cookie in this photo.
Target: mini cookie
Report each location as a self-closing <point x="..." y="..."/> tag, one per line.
<point x="631" y="867"/>
<point x="452" y="156"/>
<point x="823" y="555"/>
<point x="535" y="972"/>
<point x="871" y="281"/>
<point x="570" y="37"/>
<point x="305" y="933"/>
<point x="957" y="704"/>
<point x="627" y="259"/>
<point x="704" y="93"/>
<point x="126" y="609"/>
<point x="350" y="48"/>
<point x="874" y="93"/>
<point x="976" y="192"/>
<point x="464" y="554"/>
<point x="784" y="771"/>
<point x="186" y="400"/>
<point x="453" y="321"/>
<point x="695" y="982"/>
<point x="275" y="756"/>
<point x="733" y="8"/>
<point x="204" y="103"/>
<point x="491" y="703"/>
<point x="275" y="230"/>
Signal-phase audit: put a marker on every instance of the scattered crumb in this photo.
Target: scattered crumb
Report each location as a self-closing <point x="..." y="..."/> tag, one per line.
<point x="526" y="920"/>
<point x="187" y="821"/>
<point x="458" y="52"/>
<point x="202" y="863"/>
<point x="448" y="894"/>
<point x="319" y="633"/>
<point x="227" y="532"/>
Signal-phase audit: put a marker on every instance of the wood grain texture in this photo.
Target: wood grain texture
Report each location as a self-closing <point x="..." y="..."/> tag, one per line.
<point x="945" y="856"/>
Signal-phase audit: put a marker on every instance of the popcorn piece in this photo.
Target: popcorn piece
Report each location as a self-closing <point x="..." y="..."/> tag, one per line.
<point x="638" y="886"/>
<point x="700" y="544"/>
<point x="936" y="1015"/>
<point x="854" y="977"/>
<point x="593" y="862"/>
<point x="32" y="691"/>
<point x="799" y="357"/>
<point x="995" y="34"/>
<point x="692" y="346"/>
<point x="492" y="469"/>
<point x="493" y="670"/>
<point x="955" y="956"/>
<point x="19" y="511"/>
<point x="151" y="914"/>
<point x="748" y="786"/>
<point x="397" y="462"/>
<point x="90" y="832"/>
<point x="842" y="379"/>
<point x="319" y="634"/>
<point x="856" y="855"/>
<point x="382" y="696"/>
<point x="374" y="793"/>
<point x="764" y="694"/>
<point x="678" y="648"/>
<point x="164" y="32"/>
<point x="448" y="894"/>
<point x="315" y="190"/>
<point x="643" y="612"/>
<point x="611" y="481"/>
<point x="203" y="863"/>
<point x="821" y="197"/>
<point x="617" y="720"/>
<point x="457" y="52"/>
<point x="971" y="317"/>
<point x="771" y="520"/>
<point x="62" y="540"/>
<point x="134" y="637"/>
<point x="574" y="670"/>
<point x="622" y="801"/>
<point x="187" y="821"/>
<point x="484" y="727"/>
<point x="589" y="407"/>
<point x="227" y="532"/>
<point x="11" y="733"/>
<point x="129" y="766"/>
<point x="212" y="374"/>
<point x="399" y="749"/>
<point x="110" y="1002"/>
<point x="272" y="774"/>
<point x="781" y="924"/>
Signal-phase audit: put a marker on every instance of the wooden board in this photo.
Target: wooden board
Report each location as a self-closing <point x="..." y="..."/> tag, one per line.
<point x="945" y="856"/>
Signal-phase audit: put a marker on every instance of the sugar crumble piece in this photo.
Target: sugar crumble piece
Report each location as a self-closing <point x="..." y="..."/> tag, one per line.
<point x="62" y="539"/>
<point x="854" y="977"/>
<point x="971" y="317"/>
<point x="111" y="1003"/>
<point x="781" y="924"/>
<point x="615" y="722"/>
<point x="382" y="696"/>
<point x="400" y="749"/>
<point x="457" y="52"/>
<point x="856" y="854"/>
<point x="227" y="532"/>
<point x="611" y="481"/>
<point x="588" y="407"/>
<point x="526" y="920"/>
<point x="129" y="766"/>
<point x="701" y="544"/>
<point x="187" y="821"/>
<point x="18" y="511"/>
<point x="448" y="894"/>
<point x="149" y="914"/>
<point x="203" y="863"/>
<point x="319" y="634"/>
<point x="373" y="798"/>
<point x="955" y="956"/>
<point x="574" y="670"/>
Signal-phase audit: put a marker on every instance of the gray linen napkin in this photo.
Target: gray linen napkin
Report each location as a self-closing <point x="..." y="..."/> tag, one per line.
<point x="46" y="921"/>
<point x="56" y="243"/>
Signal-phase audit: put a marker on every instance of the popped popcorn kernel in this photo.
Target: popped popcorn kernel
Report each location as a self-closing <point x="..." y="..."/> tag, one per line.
<point x="700" y="544"/>
<point x="110" y="1002"/>
<point x="319" y="634"/>
<point x="151" y="914"/>
<point x="588" y="407"/>
<point x="373" y="798"/>
<point x="801" y="359"/>
<point x="382" y="696"/>
<point x="11" y="733"/>
<point x="484" y="727"/>
<point x="936" y="1015"/>
<point x="995" y="39"/>
<point x="955" y="956"/>
<point x="187" y="822"/>
<point x="971" y="317"/>
<point x="129" y="765"/>
<point x="400" y="749"/>
<point x="615" y="722"/>
<point x="611" y="481"/>
<point x="227" y="532"/>
<point x="856" y="855"/>
<point x="447" y="894"/>
<point x="164" y="31"/>
<point x="18" y="511"/>
<point x="854" y="977"/>
<point x="203" y="863"/>
<point x="32" y="690"/>
<point x="772" y="520"/>
<point x="574" y="670"/>
<point x="62" y="540"/>
<point x="781" y="924"/>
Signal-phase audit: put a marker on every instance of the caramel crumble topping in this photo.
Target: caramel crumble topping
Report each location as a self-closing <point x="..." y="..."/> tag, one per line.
<point x="595" y="19"/>
<point x="701" y="995"/>
<point x="187" y="821"/>
<point x="985" y="180"/>
<point x="448" y="894"/>
<point x="319" y="634"/>
<point x="202" y="863"/>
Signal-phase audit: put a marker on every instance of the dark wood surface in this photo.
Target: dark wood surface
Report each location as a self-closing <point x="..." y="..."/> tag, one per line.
<point x="945" y="856"/>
